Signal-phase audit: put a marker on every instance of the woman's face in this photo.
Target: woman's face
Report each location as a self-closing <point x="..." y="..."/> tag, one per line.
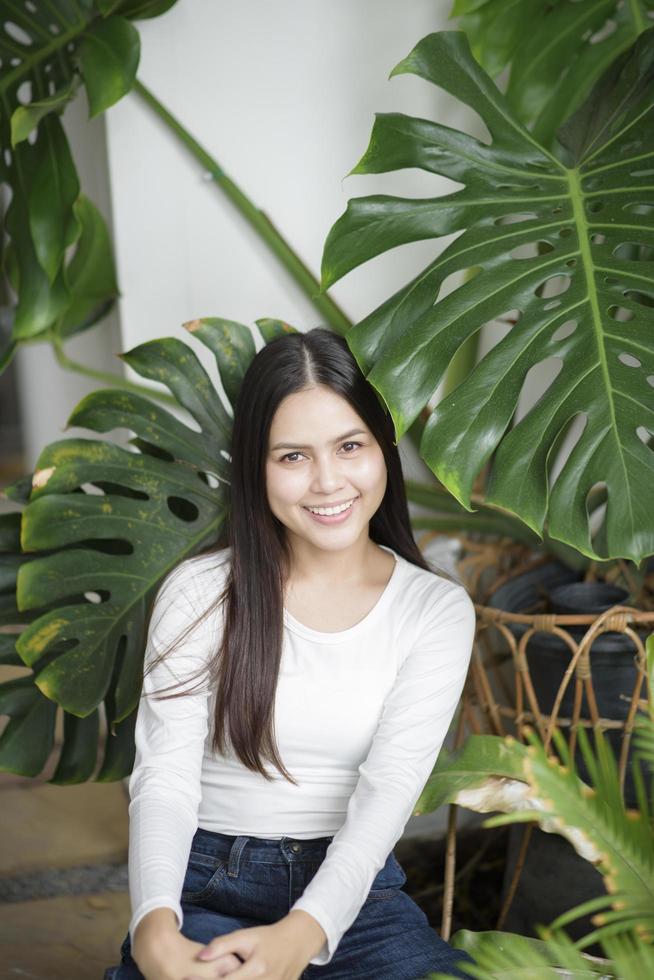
<point x="321" y="453"/>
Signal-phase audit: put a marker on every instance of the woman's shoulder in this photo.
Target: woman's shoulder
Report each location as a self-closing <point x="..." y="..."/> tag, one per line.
<point x="198" y="575"/>
<point x="429" y="591"/>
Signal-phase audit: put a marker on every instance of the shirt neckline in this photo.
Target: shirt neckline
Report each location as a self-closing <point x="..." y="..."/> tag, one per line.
<point x="373" y="614"/>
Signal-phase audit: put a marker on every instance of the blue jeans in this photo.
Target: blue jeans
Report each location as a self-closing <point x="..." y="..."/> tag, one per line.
<point x="235" y="882"/>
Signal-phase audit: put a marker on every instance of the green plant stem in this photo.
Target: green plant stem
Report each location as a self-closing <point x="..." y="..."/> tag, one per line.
<point x="114" y="380"/>
<point x="260" y="221"/>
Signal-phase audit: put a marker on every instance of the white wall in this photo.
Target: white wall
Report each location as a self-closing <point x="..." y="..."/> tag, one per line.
<point x="283" y="95"/>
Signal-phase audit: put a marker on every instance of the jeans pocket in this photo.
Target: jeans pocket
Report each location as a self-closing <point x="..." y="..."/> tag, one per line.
<point x="204" y="874"/>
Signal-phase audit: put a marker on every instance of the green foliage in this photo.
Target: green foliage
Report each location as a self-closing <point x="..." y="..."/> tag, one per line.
<point x="566" y="245"/>
<point x="489" y="774"/>
<point x="46" y="53"/>
<point x="555" y="49"/>
<point x="101" y="526"/>
<point x="506" y="956"/>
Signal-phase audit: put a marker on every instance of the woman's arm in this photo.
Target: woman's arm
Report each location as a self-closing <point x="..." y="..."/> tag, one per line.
<point x="413" y="724"/>
<point x="164" y="787"/>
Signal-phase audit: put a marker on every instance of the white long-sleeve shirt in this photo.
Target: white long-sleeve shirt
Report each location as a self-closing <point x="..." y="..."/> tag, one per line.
<point x="360" y="718"/>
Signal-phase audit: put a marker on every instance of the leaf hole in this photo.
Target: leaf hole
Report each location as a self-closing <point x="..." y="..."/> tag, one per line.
<point x="565" y="233"/>
<point x="642" y="173"/>
<point x="644" y="434"/>
<point x="536" y="382"/>
<point x="629" y="360"/>
<point x="514" y="219"/>
<point x="607" y="28"/>
<point x="529" y="250"/>
<point x="595" y="503"/>
<point x="24" y="92"/>
<point x="571" y="263"/>
<point x="101" y="595"/>
<point x="650" y="380"/>
<point x="564" y="331"/>
<point x="563" y="444"/>
<point x="210" y="479"/>
<point x="184" y="509"/>
<point x="554" y="286"/>
<point x="17" y="33"/>
<point x="634" y="251"/>
<point x="639" y="207"/>
<point x="595" y="206"/>
<point x="644" y="299"/>
<point x="553" y="305"/>
<point x="597" y="238"/>
<point x="620" y="313"/>
<point x="111" y="546"/>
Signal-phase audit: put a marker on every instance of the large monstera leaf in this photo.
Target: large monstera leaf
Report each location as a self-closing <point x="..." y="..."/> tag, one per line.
<point x="556" y="49"/>
<point x="561" y="249"/>
<point x="46" y="51"/>
<point x="101" y="527"/>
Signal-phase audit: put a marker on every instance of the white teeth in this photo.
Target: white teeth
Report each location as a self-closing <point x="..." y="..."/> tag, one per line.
<point x="327" y="511"/>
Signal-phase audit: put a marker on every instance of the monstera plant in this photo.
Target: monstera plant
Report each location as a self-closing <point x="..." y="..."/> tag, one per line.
<point x="102" y="524"/>
<point x="564" y="243"/>
<point x="47" y="52"/>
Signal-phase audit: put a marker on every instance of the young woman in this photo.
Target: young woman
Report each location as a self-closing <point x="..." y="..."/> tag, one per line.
<point x="325" y="645"/>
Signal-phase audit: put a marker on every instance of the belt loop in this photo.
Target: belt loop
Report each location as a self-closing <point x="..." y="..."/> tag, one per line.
<point x="235" y="855"/>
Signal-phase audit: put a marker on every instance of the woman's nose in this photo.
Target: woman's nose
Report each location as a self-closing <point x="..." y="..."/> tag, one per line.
<point x="327" y="474"/>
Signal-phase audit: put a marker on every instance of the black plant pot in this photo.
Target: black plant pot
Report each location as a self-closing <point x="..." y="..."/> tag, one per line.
<point x="554" y="878"/>
<point x="554" y="588"/>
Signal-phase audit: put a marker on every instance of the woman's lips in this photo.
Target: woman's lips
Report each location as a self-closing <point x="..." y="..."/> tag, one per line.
<point x="332" y="518"/>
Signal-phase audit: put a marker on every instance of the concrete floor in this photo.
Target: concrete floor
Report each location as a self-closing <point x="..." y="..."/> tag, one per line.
<point x="64" y="906"/>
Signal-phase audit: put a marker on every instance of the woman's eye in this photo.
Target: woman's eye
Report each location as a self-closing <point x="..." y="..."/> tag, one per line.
<point x="288" y="455"/>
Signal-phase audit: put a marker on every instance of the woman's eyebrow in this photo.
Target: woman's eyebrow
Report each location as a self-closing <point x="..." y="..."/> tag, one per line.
<point x="292" y="445"/>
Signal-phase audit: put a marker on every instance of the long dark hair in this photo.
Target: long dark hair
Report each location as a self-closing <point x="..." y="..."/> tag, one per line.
<point x="245" y="668"/>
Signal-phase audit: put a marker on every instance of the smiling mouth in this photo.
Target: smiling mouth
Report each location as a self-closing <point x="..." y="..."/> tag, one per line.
<point x="344" y="505"/>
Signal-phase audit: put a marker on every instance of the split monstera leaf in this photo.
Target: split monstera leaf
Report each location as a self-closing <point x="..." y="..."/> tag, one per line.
<point x="563" y="247"/>
<point x="101" y="526"/>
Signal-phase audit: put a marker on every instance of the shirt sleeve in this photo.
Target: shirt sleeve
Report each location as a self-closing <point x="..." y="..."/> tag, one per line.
<point x="414" y="722"/>
<point x="164" y="786"/>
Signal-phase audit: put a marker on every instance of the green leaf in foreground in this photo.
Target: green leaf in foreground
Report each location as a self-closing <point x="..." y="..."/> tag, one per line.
<point x="565" y="254"/>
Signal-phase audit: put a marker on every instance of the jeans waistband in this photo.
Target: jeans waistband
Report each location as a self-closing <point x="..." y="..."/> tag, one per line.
<point x="259" y="849"/>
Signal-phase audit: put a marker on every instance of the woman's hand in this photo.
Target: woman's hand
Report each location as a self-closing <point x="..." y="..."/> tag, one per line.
<point x="175" y="958"/>
<point x="161" y="952"/>
<point x="276" y="952"/>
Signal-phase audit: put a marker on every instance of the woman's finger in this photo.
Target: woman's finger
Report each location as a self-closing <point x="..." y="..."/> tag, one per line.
<point x="240" y="942"/>
<point x="223" y="967"/>
<point x="251" y="970"/>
